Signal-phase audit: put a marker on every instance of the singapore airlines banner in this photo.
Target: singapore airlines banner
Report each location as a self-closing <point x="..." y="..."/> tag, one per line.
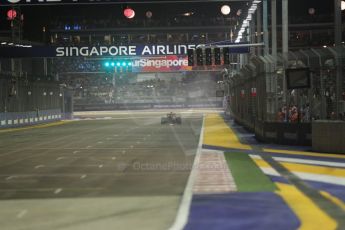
<point x="18" y="51"/>
<point x="131" y="50"/>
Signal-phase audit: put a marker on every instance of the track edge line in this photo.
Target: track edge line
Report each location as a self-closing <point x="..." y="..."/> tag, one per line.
<point x="183" y="211"/>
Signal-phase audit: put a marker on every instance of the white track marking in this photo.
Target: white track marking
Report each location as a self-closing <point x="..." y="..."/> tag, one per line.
<point x="321" y="178"/>
<point x="254" y="156"/>
<point x="183" y="211"/>
<point x="100" y="166"/>
<point x="113" y="158"/>
<point x="83" y="176"/>
<point x="311" y="162"/>
<point x="57" y="191"/>
<point x="39" y="166"/>
<point x="22" y="213"/>
<point x="309" y="176"/>
<point x="305" y="176"/>
<point x="266" y="170"/>
<point x="10" y="177"/>
<point x="74" y="152"/>
<point x="269" y="171"/>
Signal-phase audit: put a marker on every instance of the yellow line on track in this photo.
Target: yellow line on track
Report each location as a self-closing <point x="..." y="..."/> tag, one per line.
<point x="315" y="154"/>
<point x="261" y="163"/>
<point x="34" y="127"/>
<point x="218" y="133"/>
<point x="334" y="199"/>
<point x="310" y="215"/>
<point x="314" y="169"/>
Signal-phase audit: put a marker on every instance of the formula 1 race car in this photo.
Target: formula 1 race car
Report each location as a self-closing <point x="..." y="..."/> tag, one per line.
<point x="171" y="118"/>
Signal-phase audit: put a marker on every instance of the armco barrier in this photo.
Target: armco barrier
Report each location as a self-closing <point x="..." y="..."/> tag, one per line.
<point x="18" y="119"/>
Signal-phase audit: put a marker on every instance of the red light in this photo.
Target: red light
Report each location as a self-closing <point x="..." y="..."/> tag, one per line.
<point x="129" y="13"/>
<point x="11" y="14"/>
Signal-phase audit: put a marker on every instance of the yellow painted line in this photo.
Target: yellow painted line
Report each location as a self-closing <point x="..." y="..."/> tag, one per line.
<point x="35" y="126"/>
<point x="334" y="199"/>
<point x="310" y="215"/>
<point x="218" y="133"/>
<point x="293" y="167"/>
<point x="261" y="163"/>
<point x="315" y="154"/>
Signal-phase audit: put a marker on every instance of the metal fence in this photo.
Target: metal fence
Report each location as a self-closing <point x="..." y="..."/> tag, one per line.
<point x="256" y="92"/>
<point x="20" y="94"/>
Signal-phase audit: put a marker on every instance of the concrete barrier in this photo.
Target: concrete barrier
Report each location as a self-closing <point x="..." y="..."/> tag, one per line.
<point x="285" y="133"/>
<point x="19" y="119"/>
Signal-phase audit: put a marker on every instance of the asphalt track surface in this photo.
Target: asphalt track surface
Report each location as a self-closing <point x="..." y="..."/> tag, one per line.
<point x="123" y="171"/>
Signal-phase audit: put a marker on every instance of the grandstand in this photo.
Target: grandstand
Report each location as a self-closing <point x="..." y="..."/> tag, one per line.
<point x="94" y="86"/>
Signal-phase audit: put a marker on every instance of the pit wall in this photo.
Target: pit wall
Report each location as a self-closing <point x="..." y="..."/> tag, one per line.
<point x="279" y="132"/>
<point x="329" y="136"/>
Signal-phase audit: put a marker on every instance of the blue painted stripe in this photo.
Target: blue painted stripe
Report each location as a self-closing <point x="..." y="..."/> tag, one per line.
<point x="335" y="190"/>
<point x="279" y="179"/>
<point x="212" y="147"/>
<point x="259" y="211"/>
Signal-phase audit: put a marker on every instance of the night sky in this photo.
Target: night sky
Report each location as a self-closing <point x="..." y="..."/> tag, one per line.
<point x="35" y="17"/>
